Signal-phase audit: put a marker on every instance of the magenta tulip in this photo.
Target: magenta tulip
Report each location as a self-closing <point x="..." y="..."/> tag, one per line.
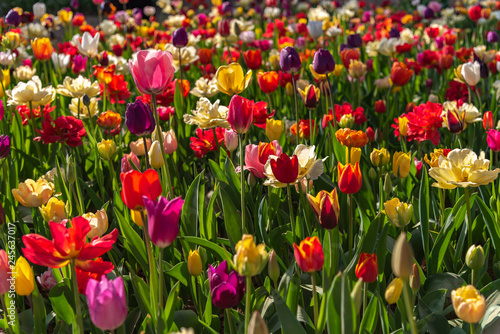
<point x="163" y="219"/>
<point x="493" y="140"/>
<point x="107" y="302"/>
<point x="240" y="115"/>
<point x="4" y="272"/>
<point x="152" y="71"/>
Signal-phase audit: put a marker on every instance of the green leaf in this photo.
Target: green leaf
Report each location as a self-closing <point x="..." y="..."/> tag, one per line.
<point x="491" y="224"/>
<point x="232" y="218"/>
<point x="289" y="323"/>
<point x="179" y="272"/>
<point x="190" y="209"/>
<point x="171" y="305"/>
<point x="446" y="281"/>
<point x="61" y="298"/>
<point x="132" y="241"/>
<point x="423" y="208"/>
<point x="38" y="311"/>
<point x="217" y="171"/>
<point x="369" y="321"/>
<point x="218" y="250"/>
<point x="141" y="290"/>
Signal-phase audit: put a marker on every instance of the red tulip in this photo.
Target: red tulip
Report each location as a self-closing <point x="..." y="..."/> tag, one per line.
<point x="135" y="185"/>
<point x="309" y="255"/>
<point x="268" y="81"/>
<point x="380" y="107"/>
<point x="240" y="115"/>
<point x="400" y="74"/>
<point x="350" y="178"/>
<point x="367" y="267"/>
<point x="253" y="59"/>
<point x="488" y="120"/>
<point x="285" y="170"/>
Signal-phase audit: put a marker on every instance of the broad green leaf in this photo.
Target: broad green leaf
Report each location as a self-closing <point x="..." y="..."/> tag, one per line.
<point x="491" y="225"/>
<point x="221" y="252"/>
<point x="189" y="213"/>
<point x="61" y="298"/>
<point x="132" y="241"/>
<point x="232" y="218"/>
<point x="289" y="323"/>
<point x="423" y="208"/>
<point x="369" y="320"/>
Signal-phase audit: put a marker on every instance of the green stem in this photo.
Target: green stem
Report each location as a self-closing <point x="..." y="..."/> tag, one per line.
<point x="473" y="276"/>
<point x="409" y="308"/>
<point x="365" y="297"/>
<point x="472" y="329"/>
<point x="296" y="106"/>
<point x="469" y="218"/>
<point x="32" y="124"/>
<point x="46" y="73"/>
<point x="79" y="320"/>
<point x="232" y="329"/>
<point x="334" y="251"/>
<point x="315" y="299"/>
<point x="197" y="296"/>
<point x="181" y="83"/>
<point x="152" y="276"/>
<point x="242" y="181"/>
<point x="350" y="236"/>
<point x="290" y="209"/>
<point x="160" y="278"/>
<point x="5" y="311"/>
<point x="146" y="155"/>
<point x="331" y="102"/>
<point x="247" y="302"/>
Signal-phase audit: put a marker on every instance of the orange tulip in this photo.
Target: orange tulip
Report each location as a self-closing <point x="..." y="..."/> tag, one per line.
<point x="268" y="81"/>
<point x="309" y="254"/>
<point x="349" y="54"/>
<point x="351" y="138"/>
<point x="104" y="74"/>
<point x="137" y="185"/>
<point x="400" y="74"/>
<point x="349" y="178"/>
<point x="42" y="48"/>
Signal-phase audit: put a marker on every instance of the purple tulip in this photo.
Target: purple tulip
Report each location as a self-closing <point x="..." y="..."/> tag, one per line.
<point x="394" y="33"/>
<point x="139" y="118"/>
<point x="492" y="37"/>
<point x="74" y="4"/>
<point x="289" y="60"/>
<point x="79" y="64"/>
<point x="163" y="220"/>
<point x="484" y="70"/>
<point x="226" y="7"/>
<point x="2" y="110"/>
<point x="428" y="13"/>
<point x="13" y="18"/>
<point x="354" y="41"/>
<point x="180" y="38"/>
<point x="107" y="302"/>
<point x="4" y="146"/>
<point x="227" y="289"/>
<point x="323" y="62"/>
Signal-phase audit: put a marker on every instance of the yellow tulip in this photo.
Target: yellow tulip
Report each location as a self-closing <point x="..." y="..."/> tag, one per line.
<point x="357" y="69"/>
<point x="5" y="81"/>
<point x="98" y="223"/>
<point x="403" y="126"/>
<point x="33" y="194"/>
<point x="249" y="259"/>
<point x="11" y="40"/>
<point x="23" y="273"/>
<point x="380" y="157"/>
<point x="107" y="149"/>
<point x="468" y="303"/>
<point x="399" y="213"/>
<point x="434" y="160"/>
<point x="274" y="129"/>
<point x="230" y="79"/>
<point x="393" y="291"/>
<point x="355" y="155"/>
<point x="194" y="263"/>
<point x="155" y="155"/>
<point x="55" y="210"/>
<point x="401" y="163"/>
<point x="338" y="70"/>
<point x="137" y="217"/>
<point x="65" y="15"/>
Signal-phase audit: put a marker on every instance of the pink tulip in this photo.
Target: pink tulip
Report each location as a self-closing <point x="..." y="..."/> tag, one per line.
<point x="107" y="302"/>
<point x="253" y="159"/>
<point x="493" y="140"/>
<point x="152" y="71"/>
<point x="4" y="272"/>
<point x="240" y="114"/>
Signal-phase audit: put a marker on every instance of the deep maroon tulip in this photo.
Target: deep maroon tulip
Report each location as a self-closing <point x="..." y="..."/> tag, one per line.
<point x="223" y="28"/>
<point x="4" y="146"/>
<point x="428" y="13"/>
<point x="163" y="219"/>
<point x="323" y="62"/>
<point x="180" y="38"/>
<point x="492" y="37"/>
<point x="354" y="41"/>
<point x="289" y="60"/>
<point x="227" y="289"/>
<point x="139" y="118"/>
<point x="13" y="18"/>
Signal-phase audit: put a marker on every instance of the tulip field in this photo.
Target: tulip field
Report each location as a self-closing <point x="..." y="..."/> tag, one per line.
<point x="250" y="167"/>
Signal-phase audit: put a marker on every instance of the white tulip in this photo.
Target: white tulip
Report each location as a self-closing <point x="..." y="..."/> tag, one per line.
<point x="60" y="61"/>
<point x="471" y="73"/>
<point x="88" y="45"/>
<point x="39" y="9"/>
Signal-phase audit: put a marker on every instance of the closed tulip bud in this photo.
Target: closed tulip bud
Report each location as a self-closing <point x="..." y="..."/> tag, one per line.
<point x="471" y="72"/>
<point x="223" y="28"/>
<point x="399" y="213"/>
<point x="251" y="180"/>
<point x="289" y="89"/>
<point x="493" y="140"/>
<point x="350" y="179"/>
<point x="387" y="184"/>
<point x="107" y="302"/>
<point x="240" y="114"/>
<point x="403" y="126"/>
<point x="356" y="294"/>
<point x="367" y="267"/>
<point x="475" y="257"/>
<point x="195" y="266"/>
<point x="137" y="217"/>
<point x="107" y="149"/>
<point x="155" y="155"/>
<point x="415" y="279"/>
<point x="310" y="96"/>
<point x="326" y="207"/>
<point x="231" y="140"/>
<point x="401" y="163"/>
<point x="323" y="62"/>
<point x="488" y="120"/>
<point x="380" y="107"/>
<point x="380" y="158"/>
<point x="469" y="304"/>
<point x="257" y="325"/>
<point x="274" y="129"/>
<point x="70" y="172"/>
<point x="309" y="255"/>
<point x="355" y="155"/>
<point x="169" y="142"/>
<point x="372" y="173"/>
<point x="273" y="266"/>
<point x="25" y="282"/>
<point x="402" y="258"/>
<point x="346" y="121"/>
<point x="139" y="118"/>
<point x="393" y="291"/>
<point x="492" y="37"/>
<point x="180" y="38"/>
<point x="86" y="100"/>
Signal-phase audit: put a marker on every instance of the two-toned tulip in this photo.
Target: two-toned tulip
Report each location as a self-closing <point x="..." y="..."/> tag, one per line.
<point x="310" y="96"/>
<point x="367" y="267"/>
<point x="42" y="48"/>
<point x="309" y="254"/>
<point x="326" y="207"/>
<point x="268" y="81"/>
<point x="349" y="178"/>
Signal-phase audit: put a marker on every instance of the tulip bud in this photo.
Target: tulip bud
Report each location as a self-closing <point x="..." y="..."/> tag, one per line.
<point x="387" y="184"/>
<point x="372" y="173"/>
<point x="380" y="157"/>
<point x="107" y="149"/>
<point x="257" y="325"/>
<point x="433" y="98"/>
<point x="86" y="100"/>
<point x="194" y="263"/>
<point x="402" y="258"/>
<point x="70" y="172"/>
<point x="289" y="60"/>
<point x="25" y="282"/>
<point x="169" y="142"/>
<point x="273" y="266"/>
<point x="223" y="28"/>
<point x="393" y="291"/>
<point x="356" y="295"/>
<point x="274" y="129"/>
<point x="355" y="155"/>
<point x="488" y="120"/>
<point x="137" y="217"/>
<point x="289" y="89"/>
<point x="155" y="155"/>
<point x="231" y="140"/>
<point x="251" y="180"/>
<point x="415" y="279"/>
<point x="380" y="107"/>
<point x="98" y="223"/>
<point x="47" y="280"/>
<point x="370" y="134"/>
<point x="492" y="37"/>
<point x="475" y="257"/>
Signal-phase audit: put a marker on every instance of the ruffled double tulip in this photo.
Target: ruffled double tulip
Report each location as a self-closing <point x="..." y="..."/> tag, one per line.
<point x="310" y="96"/>
<point x="399" y="213"/>
<point x="253" y="59"/>
<point x="139" y="118"/>
<point x="351" y="138"/>
<point x="350" y="179"/>
<point x="107" y="302"/>
<point x="55" y="210"/>
<point x="326" y="207"/>
<point x="69" y="244"/>
<point x="24" y="279"/>
<point x="250" y="259"/>
<point x="33" y="194"/>
<point x="401" y="163"/>
<point x="309" y="254"/>
<point x="240" y="114"/>
<point x="231" y="79"/>
<point x="469" y="304"/>
<point x="136" y="185"/>
<point x="268" y="81"/>
<point x="226" y="288"/>
<point x="31" y="93"/>
<point x="163" y="219"/>
<point x="367" y="267"/>
<point x="152" y="71"/>
<point x="42" y="48"/>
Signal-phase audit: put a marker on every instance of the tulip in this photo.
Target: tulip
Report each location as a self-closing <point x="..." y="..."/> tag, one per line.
<point x="253" y="59"/>
<point x="399" y="213"/>
<point x="5" y="273"/>
<point x="393" y="291"/>
<point x="107" y="149"/>
<point x="88" y="46"/>
<point x="415" y="279"/>
<point x="492" y="37"/>
<point x="273" y="267"/>
<point x="355" y="155"/>
<point x="163" y="219"/>
<point x="107" y="302"/>
<point x="180" y="38"/>
<point x="194" y="263"/>
<point x="475" y="257"/>
<point x="231" y="140"/>
<point x="274" y="129"/>
<point x="493" y="140"/>
<point x="401" y="164"/>
<point x="98" y="223"/>
<point x="128" y="160"/>
<point x="309" y="255"/>
<point x="357" y="69"/>
<point x="347" y="55"/>
<point x="349" y="178"/>
<point x="469" y="304"/>
<point x="471" y="73"/>
<point x="240" y="114"/>
<point x="13" y="18"/>
<point x="400" y="74"/>
<point x="139" y="118"/>
<point x="351" y="138"/>
<point x="4" y="146"/>
<point x="367" y="267"/>
<point x="284" y="169"/>
<point x="326" y="207"/>
<point x="47" y="280"/>
<point x="257" y="325"/>
<point x="289" y="60"/>
<point x="155" y="155"/>
<point x="454" y="122"/>
<point x="402" y="258"/>
<point x="24" y="278"/>
<point x="33" y="194"/>
<point x="230" y="79"/>
<point x="380" y="158"/>
<point x="310" y="96"/>
<point x="152" y="71"/>
<point x="488" y="120"/>
<point x="268" y="81"/>
<point x="323" y="62"/>
<point x="223" y="28"/>
<point x="39" y="10"/>
<point x="380" y="107"/>
<point x="250" y="259"/>
<point x="42" y="48"/>
<point x="354" y="41"/>
<point x="226" y="288"/>
<point x="136" y="185"/>
<point x="55" y="210"/>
